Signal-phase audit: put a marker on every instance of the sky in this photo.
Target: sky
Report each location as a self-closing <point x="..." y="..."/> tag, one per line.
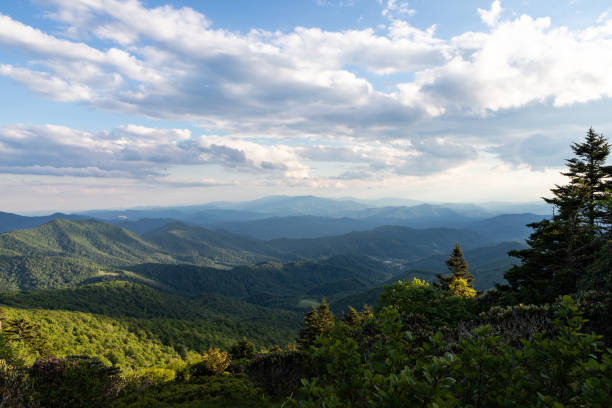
<point x="119" y="103"/>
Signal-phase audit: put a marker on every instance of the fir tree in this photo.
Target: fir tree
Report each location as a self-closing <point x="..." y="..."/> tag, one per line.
<point x="563" y="247"/>
<point x="458" y="269"/>
<point x="316" y="322"/>
<point x="589" y="183"/>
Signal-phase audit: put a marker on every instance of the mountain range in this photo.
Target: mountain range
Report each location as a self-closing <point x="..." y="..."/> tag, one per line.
<point x="187" y="278"/>
<point x="311" y="247"/>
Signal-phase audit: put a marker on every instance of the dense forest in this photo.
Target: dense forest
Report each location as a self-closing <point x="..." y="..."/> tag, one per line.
<point x="162" y="313"/>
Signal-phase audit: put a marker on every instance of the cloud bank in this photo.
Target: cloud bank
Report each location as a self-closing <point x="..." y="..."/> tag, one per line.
<point x="304" y="106"/>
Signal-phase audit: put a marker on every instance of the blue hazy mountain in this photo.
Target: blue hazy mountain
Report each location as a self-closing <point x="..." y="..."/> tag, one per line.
<point x="9" y="221"/>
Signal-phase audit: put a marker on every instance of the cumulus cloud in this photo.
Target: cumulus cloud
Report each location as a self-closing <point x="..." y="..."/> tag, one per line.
<point x="491" y="16"/>
<point x="171" y="62"/>
<point x="134" y="152"/>
<point x="286" y="88"/>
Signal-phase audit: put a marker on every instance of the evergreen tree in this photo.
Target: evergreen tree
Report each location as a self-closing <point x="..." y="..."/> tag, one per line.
<point x="563" y="247"/>
<point x="355" y="318"/>
<point x="458" y="268"/>
<point x="316" y="322"/>
<point x="590" y="182"/>
<point x="242" y="349"/>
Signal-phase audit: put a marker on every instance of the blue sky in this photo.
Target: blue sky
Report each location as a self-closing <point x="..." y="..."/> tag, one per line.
<point x="116" y="103"/>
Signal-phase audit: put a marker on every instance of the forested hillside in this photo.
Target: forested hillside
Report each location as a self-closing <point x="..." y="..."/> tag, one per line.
<point x="390" y="242"/>
<point x="98" y="242"/>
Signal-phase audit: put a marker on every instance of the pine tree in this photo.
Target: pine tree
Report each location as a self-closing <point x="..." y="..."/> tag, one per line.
<point x="316" y="322"/>
<point x="458" y="268"/>
<point x="589" y="182"/>
<point x="562" y="248"/>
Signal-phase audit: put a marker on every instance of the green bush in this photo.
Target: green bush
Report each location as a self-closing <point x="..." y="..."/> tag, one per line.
<point x="244" y="348"/>
<point x="278" y="373"/>
<point x="597" y="308"/>
<point x="210" y="392"/>
<point x="75" y="381"/>
<point x="390" y="369"/>
<point x="15" y="387"/>
<point x="214" y="362"/>
<point x="435" y="306"/>
<point x="514" y="323"/>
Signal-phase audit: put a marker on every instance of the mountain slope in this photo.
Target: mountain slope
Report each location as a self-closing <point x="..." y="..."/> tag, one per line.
<point x="98" y="242"/>
<point x="65" y="253"/>
<point x="389" y="242"/>
<point x="129" y="299"/>
<point x="143" y="225"/>
<point x="295" y="227"/>
<point x="254" y="282"/>
<point x="300" y="205"/>
<point x="191" y="243"/>
<point x="506" y="227"/>
<point x="419" y="216"/>
<point x="134" y="326"/>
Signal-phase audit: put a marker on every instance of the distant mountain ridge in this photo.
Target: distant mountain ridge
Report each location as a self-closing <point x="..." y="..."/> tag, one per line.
<point x="10" y="222"/>
<point x="506" y="227"/>
<point x="275" y="217"/>
<point x="77" y="251"/>
<point x="394" y="242"/>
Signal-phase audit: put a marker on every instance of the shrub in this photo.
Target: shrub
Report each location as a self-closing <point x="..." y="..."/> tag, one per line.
<point x="461" y="287"/>
<point x="214" y="362"/>
<point x="75" y="381"/>
<point x="206" y="392"/>
<point x="565" y="370"/>
<point x="157" y="375"/>
<point x="597" y="308"/>
<point x="15" y="387"/>
<point x="513" y="323"/>
<point x="278" y="373"/>
<point x="242" y="349"/>
<point x="419" y="298"/>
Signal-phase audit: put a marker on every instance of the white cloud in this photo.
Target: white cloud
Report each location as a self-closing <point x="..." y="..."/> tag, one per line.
<point x="521" y="62"/>
<point x="136" y="152"/>
<point x="24" y="37"/>
<point x="491" y="16"/>
<point x="394" y="8"/>
<point x="48" y="85"/>
<point x="307" y="84"/>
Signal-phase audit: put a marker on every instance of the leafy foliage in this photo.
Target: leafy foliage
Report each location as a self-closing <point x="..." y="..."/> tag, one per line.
<point x="279" y="373"/>
<point x="417" y="299"/>
<point x="385" y="367"/>
<point x="215" y="361"/>
<point x="205" y="392"/>
<point x="243" y="349"/>
<point x="76" y="381"/>
<point x="461" y="287"/>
